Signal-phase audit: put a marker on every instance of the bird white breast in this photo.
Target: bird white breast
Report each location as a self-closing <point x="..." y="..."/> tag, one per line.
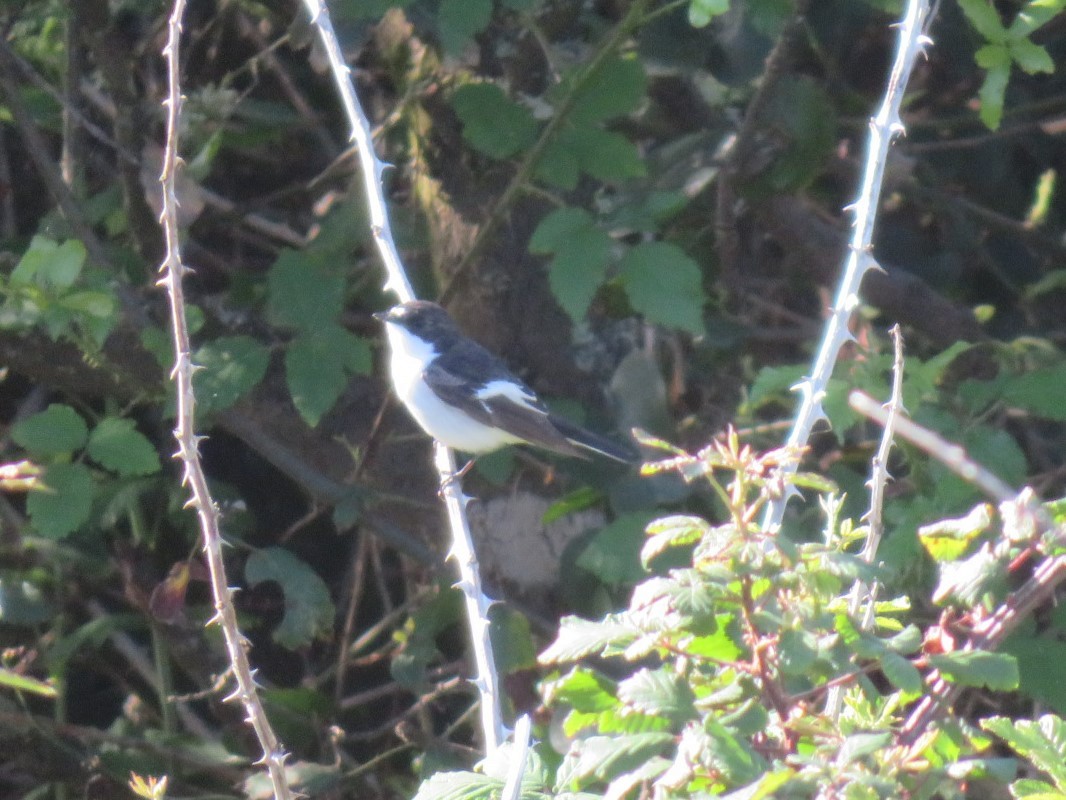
<point x="410" y="356"/>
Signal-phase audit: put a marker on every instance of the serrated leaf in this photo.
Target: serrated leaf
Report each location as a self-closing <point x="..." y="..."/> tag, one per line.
<point x="58" y="429"/>
<point x="901" y="673"/>
<point x="616" y="88"/>
<point x="602" y="758"/>
<point x="584" y="691"/>
<point x="459" y="20"/>
<point x="659" y="692"/>
<point x="555" y="229"/>
<point x="232" y="366"/>
<point x="731" y="754"/>
<point x="578" y="638"/>
<point x="577" y="271"/>
<point x="49" y="264"/>
<point x="605" y="155"/>
<point x="1043" y="742"/>
<point x="558" y="165"/>
<point x="308" y="608"/>
<point x="995" y="671"/>
<point x="64" y="502"/>
<point x="303" y="292"/>
<point x="317" y="367"/>
<point x="117" y="445"/>
<point x="862" y="744"/>
<point x="459" y="786"/>
<point x="492" y="122"/>
<point x="673" y="531"/>
<point x="664" y="285"/>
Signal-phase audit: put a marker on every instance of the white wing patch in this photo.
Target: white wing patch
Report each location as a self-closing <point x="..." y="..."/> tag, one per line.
<point x="511" y="391"/>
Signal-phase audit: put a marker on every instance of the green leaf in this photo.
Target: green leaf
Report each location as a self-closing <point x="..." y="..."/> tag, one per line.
<point x="613" y="553"/>
<point x="308" y="608"/>
<point x="901" y="673"/>
<point x="492" y="122"/>
<point x="578" y="638"/>
<point x="977" y="668"/>
<point x="317" y="366"/>
<point x="736" y="759"/>
<point x="583" y="690"/>
<point x="58" y="429"/>
<point x="512" y="641"/>
<point x="949" y="539"/>
<point x="991" y="95"/>
<point x="674" y="531"/>
<point x="701" y="12"/>
<point x="303" y="292"/>
<point x="459" y="786"/>
<point x="115" y="444"/>
<point x="577" y="271"/>
<point x="232" y="366"/>
<point x="1039" y="392"/>
<point x="1043" y="742"/>
<point x="798" y="651"/>
<point x="555" y="230"/>
<point x="558" y="165"/>
<point x="605" y="155"/>
<point x="601" y="758"/>
<point x="664" y="285"/>
<point x="459" y="20"/>
<point x="1032" y="58"/>
<point x="616" y="88"/>
<point x="64" y="502"/>
<point x="49" y="264"/>
<point x="1035" y="14"/>
<point x="984" y="18"/>
<point x="659" y="692"/>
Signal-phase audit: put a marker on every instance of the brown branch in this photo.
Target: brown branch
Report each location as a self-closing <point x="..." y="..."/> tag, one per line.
<point x="185" y="431"/>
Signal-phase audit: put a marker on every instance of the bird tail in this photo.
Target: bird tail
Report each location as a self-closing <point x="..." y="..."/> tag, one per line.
<point x="580" y="437"/>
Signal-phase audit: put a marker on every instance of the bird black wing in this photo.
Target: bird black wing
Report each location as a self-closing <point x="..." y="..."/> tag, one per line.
<point x="459" y="377"/>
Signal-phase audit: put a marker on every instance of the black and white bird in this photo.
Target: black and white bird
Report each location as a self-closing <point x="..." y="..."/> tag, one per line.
<point x="467" y="398"/>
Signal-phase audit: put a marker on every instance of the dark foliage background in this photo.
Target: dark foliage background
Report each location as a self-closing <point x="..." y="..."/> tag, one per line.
<point x="642" y="215"/>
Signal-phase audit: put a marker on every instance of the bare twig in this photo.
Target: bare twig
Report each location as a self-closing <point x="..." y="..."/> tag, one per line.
<point x="477" y="603"/>
<point x="185" y="431"/>
<point x="883" y="128"/>
<point x="512" y="789"/>
<point x="879" y="478"/>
